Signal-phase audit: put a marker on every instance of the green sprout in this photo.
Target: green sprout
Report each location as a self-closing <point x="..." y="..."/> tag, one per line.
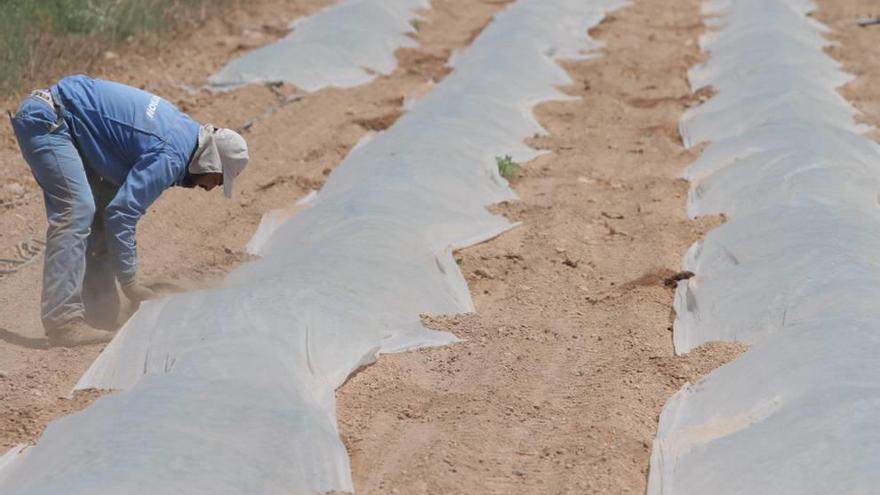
<point x="507" y="167"/>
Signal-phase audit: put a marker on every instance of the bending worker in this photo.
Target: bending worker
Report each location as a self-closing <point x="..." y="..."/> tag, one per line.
<point x="103" y="152"/>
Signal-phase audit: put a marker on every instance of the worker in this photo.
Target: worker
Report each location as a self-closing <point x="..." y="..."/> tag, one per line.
<point x="103" y="152"/>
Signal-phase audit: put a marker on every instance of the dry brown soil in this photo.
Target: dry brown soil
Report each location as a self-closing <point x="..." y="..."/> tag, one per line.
<point x="857" y="48"/>
<point x="568" y="360"/>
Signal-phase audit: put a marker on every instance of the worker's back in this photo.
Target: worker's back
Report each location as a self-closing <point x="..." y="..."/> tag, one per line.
<point x="113" y="125"/>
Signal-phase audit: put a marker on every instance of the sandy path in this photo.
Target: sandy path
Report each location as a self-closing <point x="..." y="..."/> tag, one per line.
<point x="190" y="235"/>
<point x="857" y="50"/>
<point x="569" y="359"/>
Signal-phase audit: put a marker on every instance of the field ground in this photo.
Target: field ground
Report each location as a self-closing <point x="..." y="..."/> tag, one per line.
<point x="568" y="360"/>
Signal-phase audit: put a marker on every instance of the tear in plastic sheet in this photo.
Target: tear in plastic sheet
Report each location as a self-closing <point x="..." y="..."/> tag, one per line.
<point x="794" y="270"/>
<point x="344" y="45"/>
<point x="231" y="390"/>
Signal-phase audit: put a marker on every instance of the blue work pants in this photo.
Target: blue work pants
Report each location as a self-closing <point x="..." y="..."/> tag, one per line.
<point x="78" y="279"/>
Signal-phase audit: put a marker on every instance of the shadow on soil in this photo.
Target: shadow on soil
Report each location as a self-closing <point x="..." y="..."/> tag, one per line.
<point x="22" y="341"/>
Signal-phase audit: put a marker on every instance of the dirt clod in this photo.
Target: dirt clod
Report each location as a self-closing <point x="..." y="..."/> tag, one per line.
<point x="379" y="123"/>
<point x="673" y="280"/>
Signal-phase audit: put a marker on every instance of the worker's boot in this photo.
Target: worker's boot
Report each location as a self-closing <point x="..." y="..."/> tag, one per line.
<point x="77" y="333"/>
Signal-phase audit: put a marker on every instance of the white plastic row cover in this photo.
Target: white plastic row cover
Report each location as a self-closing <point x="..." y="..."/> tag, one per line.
<point x="795" y="270"/>
<point x="231" y="390"/>
<point x="346" y="44"/>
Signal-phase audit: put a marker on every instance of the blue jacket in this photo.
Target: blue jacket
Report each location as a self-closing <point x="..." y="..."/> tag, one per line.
<point x="134" y="140"/>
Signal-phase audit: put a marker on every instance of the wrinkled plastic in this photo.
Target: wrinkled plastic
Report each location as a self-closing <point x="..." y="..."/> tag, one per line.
<point x="787" y="166"/>
<point x="795" y="415"/>
<point x="231" y="390"/>
<point x="347" y="44"/>
<point x="794" y="270"/>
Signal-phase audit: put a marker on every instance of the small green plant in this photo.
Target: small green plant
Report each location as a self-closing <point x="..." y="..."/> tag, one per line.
<point x="507" y="167"/>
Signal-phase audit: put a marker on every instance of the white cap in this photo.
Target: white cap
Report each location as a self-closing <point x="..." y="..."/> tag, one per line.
<point x="233" y="155"/>
<point x="220" y="150"/>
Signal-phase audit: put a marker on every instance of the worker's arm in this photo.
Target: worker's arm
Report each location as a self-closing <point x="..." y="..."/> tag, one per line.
<point x="154" y="172"/>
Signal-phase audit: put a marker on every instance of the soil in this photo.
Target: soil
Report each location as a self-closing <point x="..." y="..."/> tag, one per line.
<point x="568" y="359"/>
<point x="857" y="49"/>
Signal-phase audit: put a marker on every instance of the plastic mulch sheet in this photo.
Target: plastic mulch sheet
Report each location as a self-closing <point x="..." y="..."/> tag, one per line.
<point x="346" y="44"/>
<point x="794" y="270"/>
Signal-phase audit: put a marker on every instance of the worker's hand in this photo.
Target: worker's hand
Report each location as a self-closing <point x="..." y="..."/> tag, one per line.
<point x="137" y="292"/>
